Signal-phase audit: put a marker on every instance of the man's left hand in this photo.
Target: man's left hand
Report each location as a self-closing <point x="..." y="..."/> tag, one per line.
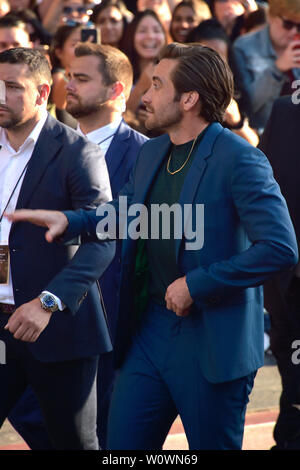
<point x="178" y="297"/>
<point x="28" y="321"/>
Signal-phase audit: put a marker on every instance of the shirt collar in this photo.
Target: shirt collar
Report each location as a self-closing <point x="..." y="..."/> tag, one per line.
<point x="266" y="42"/>
<point x="32" y="138"/>
<point x="102" y="133"/>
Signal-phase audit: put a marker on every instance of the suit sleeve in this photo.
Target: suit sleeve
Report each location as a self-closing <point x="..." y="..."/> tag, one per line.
<point x="263" y="212"/>
<point x="88" y="185"/>
<point x="84" y="223"/>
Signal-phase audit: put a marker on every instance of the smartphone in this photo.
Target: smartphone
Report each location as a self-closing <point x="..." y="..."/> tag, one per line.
<point x="296" y="38"/>
<point x="246" y="4"/>
<point x="90" y="34"/>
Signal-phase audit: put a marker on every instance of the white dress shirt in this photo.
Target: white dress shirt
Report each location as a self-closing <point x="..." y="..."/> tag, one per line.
<point x="12" y="164"/>
<point x="102" y="136"/>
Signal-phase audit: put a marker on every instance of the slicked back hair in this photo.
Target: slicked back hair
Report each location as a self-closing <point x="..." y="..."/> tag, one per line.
<point x="201" y="69"/>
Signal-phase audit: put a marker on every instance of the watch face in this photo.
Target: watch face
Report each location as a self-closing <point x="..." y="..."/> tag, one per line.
<point x="49" y="301"/>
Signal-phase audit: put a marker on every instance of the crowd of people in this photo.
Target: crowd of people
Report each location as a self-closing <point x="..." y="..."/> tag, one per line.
<point x="262" y="63"/>
<point x="106" y="70"/>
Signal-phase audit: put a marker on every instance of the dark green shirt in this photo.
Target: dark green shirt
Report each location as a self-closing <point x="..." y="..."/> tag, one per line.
<point x="163" y="269"/>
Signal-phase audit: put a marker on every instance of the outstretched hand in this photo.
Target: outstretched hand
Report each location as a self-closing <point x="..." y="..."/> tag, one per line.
<point x="55" y="221"/>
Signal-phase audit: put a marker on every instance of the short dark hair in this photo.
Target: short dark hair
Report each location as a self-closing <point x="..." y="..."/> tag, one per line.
<point x="208" y="29"/>
<point x="11" y="20"/>
<point x="36" y="62"/>
<point x="201" y="69"/>
<point x="114" y="64"/>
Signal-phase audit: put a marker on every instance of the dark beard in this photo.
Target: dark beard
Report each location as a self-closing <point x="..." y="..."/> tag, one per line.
<point x="80" y="111"/>
<point x="11" y="122"/>
<point x="164" y="125"/>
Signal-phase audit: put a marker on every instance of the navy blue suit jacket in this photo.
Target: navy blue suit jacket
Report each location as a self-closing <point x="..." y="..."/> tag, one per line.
<point x="120" y="159"/>
<point x="65" y="172"/>
<point x="280" y="144"/>
<point x="248" y="237"/>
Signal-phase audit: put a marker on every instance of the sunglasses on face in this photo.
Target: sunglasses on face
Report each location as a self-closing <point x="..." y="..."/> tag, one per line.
<point x="68" y="22"/>
<point x="68" y="10"/>
<point x="288" y="24"/>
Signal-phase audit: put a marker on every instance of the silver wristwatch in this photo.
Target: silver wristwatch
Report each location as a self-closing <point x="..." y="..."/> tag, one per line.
<point x="48" y="302"/>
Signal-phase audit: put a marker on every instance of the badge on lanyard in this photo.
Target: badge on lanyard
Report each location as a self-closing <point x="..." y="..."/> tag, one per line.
<point x="4" y="264"/>
<point x="4" y="250"/>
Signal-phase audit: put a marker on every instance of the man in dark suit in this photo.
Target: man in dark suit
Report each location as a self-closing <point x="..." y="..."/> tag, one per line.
<point x="194" y="347"/>
<point x="52" y="322"/>
<point x="282" y="294"/>
<point x="100" y="80"/>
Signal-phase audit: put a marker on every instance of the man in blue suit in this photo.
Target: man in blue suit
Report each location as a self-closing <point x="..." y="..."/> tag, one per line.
<point x="100" y="80"/>
<point x="52" y="322"/>
<point x="190" y="331"/>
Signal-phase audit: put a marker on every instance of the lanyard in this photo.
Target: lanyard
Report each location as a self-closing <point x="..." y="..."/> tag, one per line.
<point x="13" y="191"/>
<point x="106" y="138"/>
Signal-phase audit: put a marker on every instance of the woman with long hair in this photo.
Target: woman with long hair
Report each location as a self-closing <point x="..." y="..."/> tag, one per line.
<point x="112" y="16"/>
<point x="186" y="16"/>
<point x="61" y="56"/>
<point x="143" y="40"/>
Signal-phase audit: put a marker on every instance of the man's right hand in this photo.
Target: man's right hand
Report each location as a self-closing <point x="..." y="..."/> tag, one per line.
<point x="56" y="222"/>
<point x="290" y="57"/>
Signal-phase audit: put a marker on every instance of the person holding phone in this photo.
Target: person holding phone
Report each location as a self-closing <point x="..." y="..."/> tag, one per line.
<point x="268" y="61"/>
<point x="60" y="12"/>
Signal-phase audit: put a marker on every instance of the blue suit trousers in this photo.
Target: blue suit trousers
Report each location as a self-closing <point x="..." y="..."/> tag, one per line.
<point x="161" y="378"/>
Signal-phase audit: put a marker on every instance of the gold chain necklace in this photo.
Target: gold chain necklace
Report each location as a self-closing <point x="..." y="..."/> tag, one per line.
<point x="184" y="163"/>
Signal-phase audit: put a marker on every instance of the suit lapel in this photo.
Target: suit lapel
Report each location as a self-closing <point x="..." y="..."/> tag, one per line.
<point x="151" y="164"/>
<point x="197" y="170"/>
<point x="153" y="161"/>
<point x="117" y="149"/>
<point x="45" y="150"/>
<point x="146" y="175"/>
